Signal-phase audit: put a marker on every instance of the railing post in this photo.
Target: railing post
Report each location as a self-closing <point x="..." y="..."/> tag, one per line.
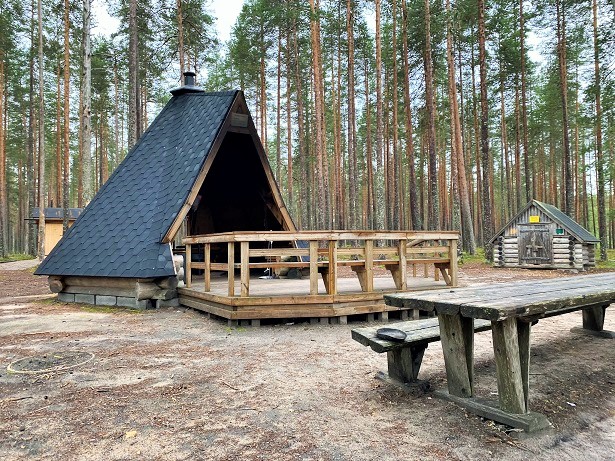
<point x="207" y="275"/>
<point x="188" y="274"/>
<point x="245" y="268"/>
<point x="231" y="268"/>
<point x="369" y="265"/>
<point x="454" y="264"/>
<point x="332" y="274"/>
<point x="403" y="264"/>
<point x="313" y="267"/>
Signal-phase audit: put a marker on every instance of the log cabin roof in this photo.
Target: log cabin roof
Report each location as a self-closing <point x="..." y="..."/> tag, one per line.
<point x="120" y="233"/>
<point x="559" y="217"/>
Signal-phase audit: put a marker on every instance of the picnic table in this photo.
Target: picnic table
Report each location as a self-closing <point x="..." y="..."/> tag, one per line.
<point x="512" y="308"/>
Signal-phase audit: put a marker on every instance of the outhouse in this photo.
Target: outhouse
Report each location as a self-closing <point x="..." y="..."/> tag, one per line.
<point x="542" y="236"/>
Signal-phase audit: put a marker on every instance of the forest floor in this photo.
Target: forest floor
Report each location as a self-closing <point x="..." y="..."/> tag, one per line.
<point x="171" y="384"/>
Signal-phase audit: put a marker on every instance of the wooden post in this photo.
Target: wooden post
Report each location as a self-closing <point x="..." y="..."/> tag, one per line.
<point x="457" y="337"/>
<point x="403" y="268"/>
<point x="404" y="363"/>
<point x="593" y="318"/>
<point x="332" y="273"/>
<point x="453" y="268"/>
<point x="506" y="347"/>
<point x="369" y="265"/>
<point x="188" y="274"/>
<point x="245" y="269"/>
<point x="207" y="275"/>
<point x="523" y="330"/>
<point x="231" y="268"/>
<point x="313" y="267"/>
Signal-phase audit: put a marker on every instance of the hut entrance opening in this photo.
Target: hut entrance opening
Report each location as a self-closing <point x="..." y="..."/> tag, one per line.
<point x="235" y="196"/>
<point x="534" y="244"/>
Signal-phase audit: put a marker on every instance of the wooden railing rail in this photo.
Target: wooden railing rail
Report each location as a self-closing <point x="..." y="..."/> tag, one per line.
<point x="319" y="252"/>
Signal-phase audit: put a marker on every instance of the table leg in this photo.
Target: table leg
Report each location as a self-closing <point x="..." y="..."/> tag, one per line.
<point x="593" y="318"/>
<point x="512" y="349"/>
<point x="404" y="364"/>
<point x="457" y="337"/>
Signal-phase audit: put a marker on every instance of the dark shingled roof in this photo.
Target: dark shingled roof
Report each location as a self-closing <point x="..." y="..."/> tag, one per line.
<point x="119" y="232"/>
<point x="567" y="222"/>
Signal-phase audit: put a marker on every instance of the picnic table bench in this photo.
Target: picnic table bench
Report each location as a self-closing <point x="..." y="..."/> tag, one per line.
<point x="509" y="309"/>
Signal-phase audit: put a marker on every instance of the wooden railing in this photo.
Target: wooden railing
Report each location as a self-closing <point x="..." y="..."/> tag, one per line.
<point x="320" y="252"/>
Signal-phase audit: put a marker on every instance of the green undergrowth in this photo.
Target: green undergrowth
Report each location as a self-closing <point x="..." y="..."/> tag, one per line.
<point x="15" y="257"/>
<point x="609" y="263"/>
<point x="478" y="257"/>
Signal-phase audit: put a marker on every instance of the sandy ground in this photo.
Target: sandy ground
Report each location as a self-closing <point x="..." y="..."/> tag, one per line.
<point x="172" y="384"/>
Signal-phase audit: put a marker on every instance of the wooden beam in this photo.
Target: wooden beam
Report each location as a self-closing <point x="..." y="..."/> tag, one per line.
<point x="457" y="337"/>
<point x="332" y="273"/>
<point x="245" y="269"/>
<point x="188" y="273"/>
<point x="207" y="268"/>
<point x="313" y="267"/>
<point x="506" y="348"/>
<point x="403" y="264"/>
<point x="369" y="265"/>
<point x="231" y="269"/>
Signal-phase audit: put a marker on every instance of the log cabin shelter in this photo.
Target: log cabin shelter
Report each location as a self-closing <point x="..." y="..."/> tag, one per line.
<point x="200" y="167"/>
<point x="54" y="224"/>
<point x="542" y="236"/>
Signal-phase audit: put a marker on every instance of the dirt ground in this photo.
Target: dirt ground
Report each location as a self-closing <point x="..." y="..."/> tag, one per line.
<point x="172" y="384"/>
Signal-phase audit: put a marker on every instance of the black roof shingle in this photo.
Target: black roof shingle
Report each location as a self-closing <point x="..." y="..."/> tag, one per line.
<point x="119" y="233"/>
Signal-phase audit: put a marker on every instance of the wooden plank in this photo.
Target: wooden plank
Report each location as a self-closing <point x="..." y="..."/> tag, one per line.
<point x="207" y="268"/>
<point x="188" y="273"/>
<point x="457" y="351"/>
<point x="403" y="265"/>
<point x="508" y="366"/>
<point x="271" y="252"/>
<point x="245" y="269"/>
<point x="593" y="318"/>
<point x="109" y="282"/>
<point x="332" y="272"/>
<point x="523" y="332"/>
<point x="313" y="267"/>
<point x="369" y="265"/>
<point x="453" y="269"/>
<point x="404" y="364"/>
<point x="231" y="269"/>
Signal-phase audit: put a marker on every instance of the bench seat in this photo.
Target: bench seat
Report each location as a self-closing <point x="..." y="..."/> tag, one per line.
<point x="404" y="358"/>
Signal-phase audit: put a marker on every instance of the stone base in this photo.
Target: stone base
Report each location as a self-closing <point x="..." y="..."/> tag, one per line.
<point x="529" y="422"/>
<point x="108" y="300"/>
<point x="174" y="302"/>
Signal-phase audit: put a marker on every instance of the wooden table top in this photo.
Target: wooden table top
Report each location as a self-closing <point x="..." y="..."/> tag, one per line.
<point x="500" y="301"/>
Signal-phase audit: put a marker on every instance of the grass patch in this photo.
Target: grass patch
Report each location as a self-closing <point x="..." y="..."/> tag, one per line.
<point x="609" y="263"/>
<point x="478" y="257"/>
<point x="16" y="257"/>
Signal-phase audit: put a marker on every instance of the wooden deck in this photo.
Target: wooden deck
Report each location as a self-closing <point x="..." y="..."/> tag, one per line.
<point x="340" y="272"/>
<point x="290" y="298"/>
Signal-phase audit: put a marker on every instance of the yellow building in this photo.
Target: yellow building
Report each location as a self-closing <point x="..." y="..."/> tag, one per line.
<point x="54" y="224"/>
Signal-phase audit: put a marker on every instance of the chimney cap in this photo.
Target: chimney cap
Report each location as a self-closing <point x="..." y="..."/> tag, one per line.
<point x="189" y="85"/>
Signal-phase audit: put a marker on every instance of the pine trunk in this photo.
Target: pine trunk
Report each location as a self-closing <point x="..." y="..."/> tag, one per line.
<point x="484" y="135"/>
<point x="66" y="128"/>
<point x="134" y="92"/>
<point x="602" y="230"/>
<point x="433" y="215"/>
<point x="352" y="142"/>
<point x="41" y="137"/>
<point x="530" y="189"/>
<point x="414" y="205"/>
<point x="86" y="113"/>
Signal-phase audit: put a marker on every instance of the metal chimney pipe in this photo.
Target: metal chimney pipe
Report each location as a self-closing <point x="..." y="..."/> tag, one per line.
<point x="189" y="78"/>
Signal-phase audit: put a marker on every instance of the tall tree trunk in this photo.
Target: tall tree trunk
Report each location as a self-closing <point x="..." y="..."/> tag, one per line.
<point x="31" y="245"/>
<point x="134" y="91"/>
<point x="3" y="179"/>
<point x="433" y="220"/>
<point x="530" y="189"/>
<point x="324" y="215"/>
<point x="397" y="208"/>
<point x="41" y="137"/>
<point x="86" y="114"/>
<point x="180" y="39"/>
<point x="352" y="141"/>
<point x="414" y="205"/>
<point x="289" y="128"/>
<point x="66" y="163"/>
<point x="57" y="196"/>
<point x="372" y="217"/>
<point x="518" y="184"/>
<point x="278" y="119"/>
<point x="484" y="135"/>
<point x="599" y="154"/>
<point x="379" y="107"/>
<point x="561" y="45"/>
<point x="458" y="160"/>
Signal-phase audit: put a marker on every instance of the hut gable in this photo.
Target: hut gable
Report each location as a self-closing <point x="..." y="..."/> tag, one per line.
<point x="542" y="236"/>
<point x="127" y="229"/>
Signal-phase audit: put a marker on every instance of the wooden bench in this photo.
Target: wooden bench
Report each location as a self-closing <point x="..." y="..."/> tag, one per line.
<point x="405" y="358"/>
<point x="511" y="308"/>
